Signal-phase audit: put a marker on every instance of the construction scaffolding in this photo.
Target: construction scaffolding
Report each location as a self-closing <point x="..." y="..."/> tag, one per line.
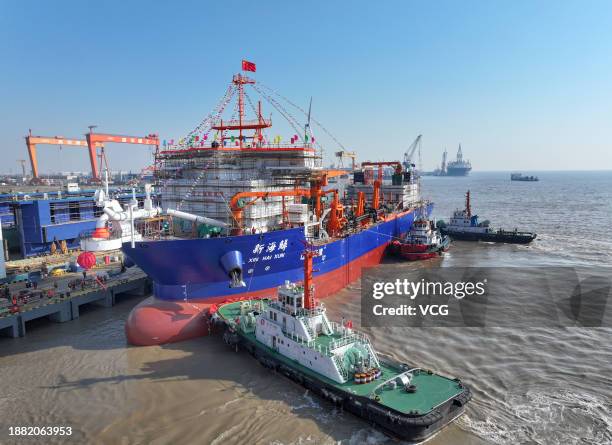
<point x="202" y="176"/>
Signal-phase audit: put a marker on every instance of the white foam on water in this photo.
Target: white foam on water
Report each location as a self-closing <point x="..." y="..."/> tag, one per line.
<point x="309" y="402"/>
<point x="226" y="435"/>
<point x="545" y="418"/>
<point x="367" y="436"/>
<point x="302" y="441"/>
<point x="228" y="403"/>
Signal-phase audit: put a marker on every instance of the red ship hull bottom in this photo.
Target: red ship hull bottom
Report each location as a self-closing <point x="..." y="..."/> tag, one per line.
<point x="413" y="256"/>
<point x="155" y="321"/>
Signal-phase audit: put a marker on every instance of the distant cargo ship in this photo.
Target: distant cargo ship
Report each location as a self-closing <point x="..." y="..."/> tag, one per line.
<point x="458" y="167"/>
<point x="521" y="177"/>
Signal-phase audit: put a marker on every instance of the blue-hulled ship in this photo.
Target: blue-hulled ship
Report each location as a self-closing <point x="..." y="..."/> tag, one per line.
<point x="242" y="204"/>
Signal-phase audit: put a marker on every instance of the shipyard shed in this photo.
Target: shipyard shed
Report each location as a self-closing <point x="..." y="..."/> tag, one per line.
<point x="37" y="223"/>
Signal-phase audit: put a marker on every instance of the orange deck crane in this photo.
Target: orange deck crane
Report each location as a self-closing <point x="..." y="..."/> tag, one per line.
<point x="360" y="204"/>
<point x="379" y="179"/>
<point x="93" y="141"/>
<point x="337" y="220"/>
<point x="380" y="165"/>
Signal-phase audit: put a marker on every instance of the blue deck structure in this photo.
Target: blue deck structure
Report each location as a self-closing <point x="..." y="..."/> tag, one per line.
<point x="39" y="219"/>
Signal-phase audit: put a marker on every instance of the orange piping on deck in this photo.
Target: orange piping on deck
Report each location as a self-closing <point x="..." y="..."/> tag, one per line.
<point x="336" y="217"/>
<point x="237" y="212"/>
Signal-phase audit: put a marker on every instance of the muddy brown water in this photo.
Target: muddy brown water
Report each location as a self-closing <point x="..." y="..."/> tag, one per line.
<point x="538" y="385"/>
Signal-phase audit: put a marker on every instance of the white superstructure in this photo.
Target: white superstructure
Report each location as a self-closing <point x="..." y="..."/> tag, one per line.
<point x="423" y="232"/>
<point x="463" y="220"/>
<point x="202" y="182"/>
<point x="308" y="337"/>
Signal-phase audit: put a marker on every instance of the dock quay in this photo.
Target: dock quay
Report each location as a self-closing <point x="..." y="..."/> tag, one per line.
<point x="62" y="306"/>
<point x="17" y="270"/>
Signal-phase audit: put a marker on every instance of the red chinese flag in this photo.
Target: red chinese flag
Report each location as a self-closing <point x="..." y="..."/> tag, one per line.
<point x="248" y="66"/>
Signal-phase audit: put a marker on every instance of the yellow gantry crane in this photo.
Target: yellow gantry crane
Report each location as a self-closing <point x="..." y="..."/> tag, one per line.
<point x="346" y="154"/>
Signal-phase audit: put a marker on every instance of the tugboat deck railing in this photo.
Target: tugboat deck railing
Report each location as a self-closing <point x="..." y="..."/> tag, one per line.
<point x="300" y="312"/>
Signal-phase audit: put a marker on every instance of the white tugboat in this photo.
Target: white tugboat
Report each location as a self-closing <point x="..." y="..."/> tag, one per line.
<point x="293" y="335"/>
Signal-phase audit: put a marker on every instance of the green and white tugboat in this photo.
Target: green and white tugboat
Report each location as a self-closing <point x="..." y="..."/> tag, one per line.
<point x="294" y="336"/>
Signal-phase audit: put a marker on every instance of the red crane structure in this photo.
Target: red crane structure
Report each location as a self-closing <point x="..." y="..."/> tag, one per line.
<point x="92" y="141"/>
<point x="240" y="124"/>
<point x="32" y="141"/>
<point x="380" y="165"/>
<point x="95" y="140"/>
<point x="379" y="180"/>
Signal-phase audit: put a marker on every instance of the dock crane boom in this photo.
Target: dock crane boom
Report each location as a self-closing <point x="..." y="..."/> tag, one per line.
<point x="346" y="154"/>
<point x="95" y="140"/>
<point x="32" y="141"/>
<point x="22" y="162"/>
<point x="92" y="141"/>
<point x="411" y="150"/>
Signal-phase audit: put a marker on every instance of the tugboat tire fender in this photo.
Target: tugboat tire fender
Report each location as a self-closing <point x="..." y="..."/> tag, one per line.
<point x="334" y="398"/>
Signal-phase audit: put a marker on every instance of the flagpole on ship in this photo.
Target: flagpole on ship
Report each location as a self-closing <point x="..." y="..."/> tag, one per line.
<point x="246" y="66"/>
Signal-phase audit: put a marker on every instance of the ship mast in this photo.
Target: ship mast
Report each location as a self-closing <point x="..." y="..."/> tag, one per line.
<point x="309" y="299"/>
<point x="239" y="80"/>
<point x="241" y="124"/>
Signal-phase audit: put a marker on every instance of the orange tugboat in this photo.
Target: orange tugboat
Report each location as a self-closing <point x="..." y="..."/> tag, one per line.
<point x="423" y="241"/>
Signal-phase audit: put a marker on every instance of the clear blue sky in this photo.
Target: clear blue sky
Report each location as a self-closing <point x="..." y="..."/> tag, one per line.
<point x="522" y="85"/>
